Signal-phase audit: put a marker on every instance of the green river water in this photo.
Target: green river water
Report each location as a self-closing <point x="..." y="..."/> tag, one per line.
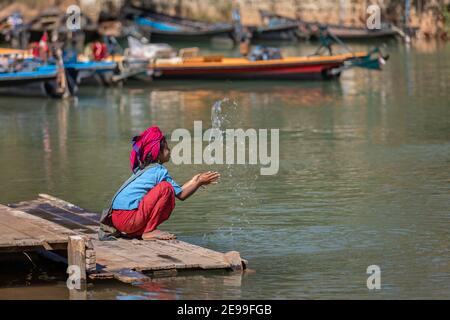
<point x="363" y="179"/>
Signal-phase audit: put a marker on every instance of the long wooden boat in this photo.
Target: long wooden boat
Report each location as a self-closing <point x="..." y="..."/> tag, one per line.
<point x="41" y="81"/>
<point x="341" y="31"/>
<point x="28" y="78"/>
<point x="279" y="32"/>
<point x="290" y="68"/>
<point x="165" y="28"/>
<point x="348" y="33"/>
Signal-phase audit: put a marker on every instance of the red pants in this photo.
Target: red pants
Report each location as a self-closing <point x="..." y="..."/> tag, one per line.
<point x="154" y="208"/>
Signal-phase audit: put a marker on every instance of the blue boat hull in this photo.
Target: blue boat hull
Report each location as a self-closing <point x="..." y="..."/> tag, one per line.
<point x="42" y="82"/>
<point x="92" y="72"/>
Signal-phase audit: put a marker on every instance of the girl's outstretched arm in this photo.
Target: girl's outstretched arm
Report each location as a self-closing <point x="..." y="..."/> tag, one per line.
<point x="196" y="182"/>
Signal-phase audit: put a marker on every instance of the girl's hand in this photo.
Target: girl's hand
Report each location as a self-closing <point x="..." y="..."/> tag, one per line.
<point x="207" y="177"/>
<point x="197" y="181"/>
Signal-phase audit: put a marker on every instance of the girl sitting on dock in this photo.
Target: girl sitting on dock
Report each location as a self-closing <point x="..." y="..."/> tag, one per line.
<point x="147" y="198"/>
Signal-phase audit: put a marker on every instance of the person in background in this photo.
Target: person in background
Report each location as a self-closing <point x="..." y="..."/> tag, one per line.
<point x="99" y="50"/>
<point x="43" y="48"/>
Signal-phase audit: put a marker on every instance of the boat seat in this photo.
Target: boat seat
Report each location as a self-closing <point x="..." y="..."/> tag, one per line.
<point x="212" y="58"/>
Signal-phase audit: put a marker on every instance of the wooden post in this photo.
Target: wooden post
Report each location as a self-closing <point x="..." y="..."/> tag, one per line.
<point x="63" y="86"/>
<point x="76" y="254"/>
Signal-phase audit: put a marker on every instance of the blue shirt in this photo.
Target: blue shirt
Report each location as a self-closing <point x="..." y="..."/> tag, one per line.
<point x="131" y="195"/>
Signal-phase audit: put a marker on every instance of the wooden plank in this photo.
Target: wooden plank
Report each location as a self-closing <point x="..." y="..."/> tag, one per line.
<point x="192" y="255"/>
<point x="32" y="232"/>
<point x="19" y="230"/>
<point x="101" y="275"/>
<point x="184" y="251"/>
<point x="45" y="211"/>
<point x="136" y="257"/>
<point x="113" y="261"/>
<point x="130" y="276"/>
<point x="94" y="216"/>
<point x="6" y="232"/>
<point x="26" y="229"/>
<point x="145" y="253"/>
<point x="153" y="255"/>
<point x="121" y="254"/>
<point x="182" y="246"/>
<point x="43" y="214"/>
<point x="25" y="246"/>
<point x="63" y="213"/>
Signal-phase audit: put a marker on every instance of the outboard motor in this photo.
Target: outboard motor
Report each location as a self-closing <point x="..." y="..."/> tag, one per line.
<point x="265" y="53"/>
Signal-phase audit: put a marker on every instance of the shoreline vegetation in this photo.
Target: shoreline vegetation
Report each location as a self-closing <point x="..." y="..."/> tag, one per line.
<point x="429" y="19"/>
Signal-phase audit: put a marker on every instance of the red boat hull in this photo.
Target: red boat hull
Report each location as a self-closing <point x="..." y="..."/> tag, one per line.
<point x="318" y="71"/>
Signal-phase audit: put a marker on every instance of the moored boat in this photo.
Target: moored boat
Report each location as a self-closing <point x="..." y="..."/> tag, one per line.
<point x="275" y="32"/>
<point x="44" y="80"/>
<point x="289" y="68"/>
<point x="349" y="33"/>
<point x="22" y="73"/>
<point x="162" y="28"/>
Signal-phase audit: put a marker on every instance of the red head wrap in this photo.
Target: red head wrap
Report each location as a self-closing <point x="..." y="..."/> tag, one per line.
<point x="147" y="142"/>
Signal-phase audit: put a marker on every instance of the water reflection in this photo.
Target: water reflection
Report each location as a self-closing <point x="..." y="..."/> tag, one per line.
<point x="191" y="287"/>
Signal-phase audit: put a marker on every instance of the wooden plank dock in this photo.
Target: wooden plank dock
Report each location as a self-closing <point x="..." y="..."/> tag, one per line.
<point x="20" y="231"/>
<point x="50" y="224"/>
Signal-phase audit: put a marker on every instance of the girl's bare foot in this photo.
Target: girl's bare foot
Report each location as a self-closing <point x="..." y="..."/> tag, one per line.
<point x="158" y="235"/>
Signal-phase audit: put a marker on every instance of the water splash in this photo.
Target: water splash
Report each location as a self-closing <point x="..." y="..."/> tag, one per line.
<point x="223" y="113"/>
<point x="239" y="180"/>
<point x="217" y="118"/>
<point x="221" y="118"/>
